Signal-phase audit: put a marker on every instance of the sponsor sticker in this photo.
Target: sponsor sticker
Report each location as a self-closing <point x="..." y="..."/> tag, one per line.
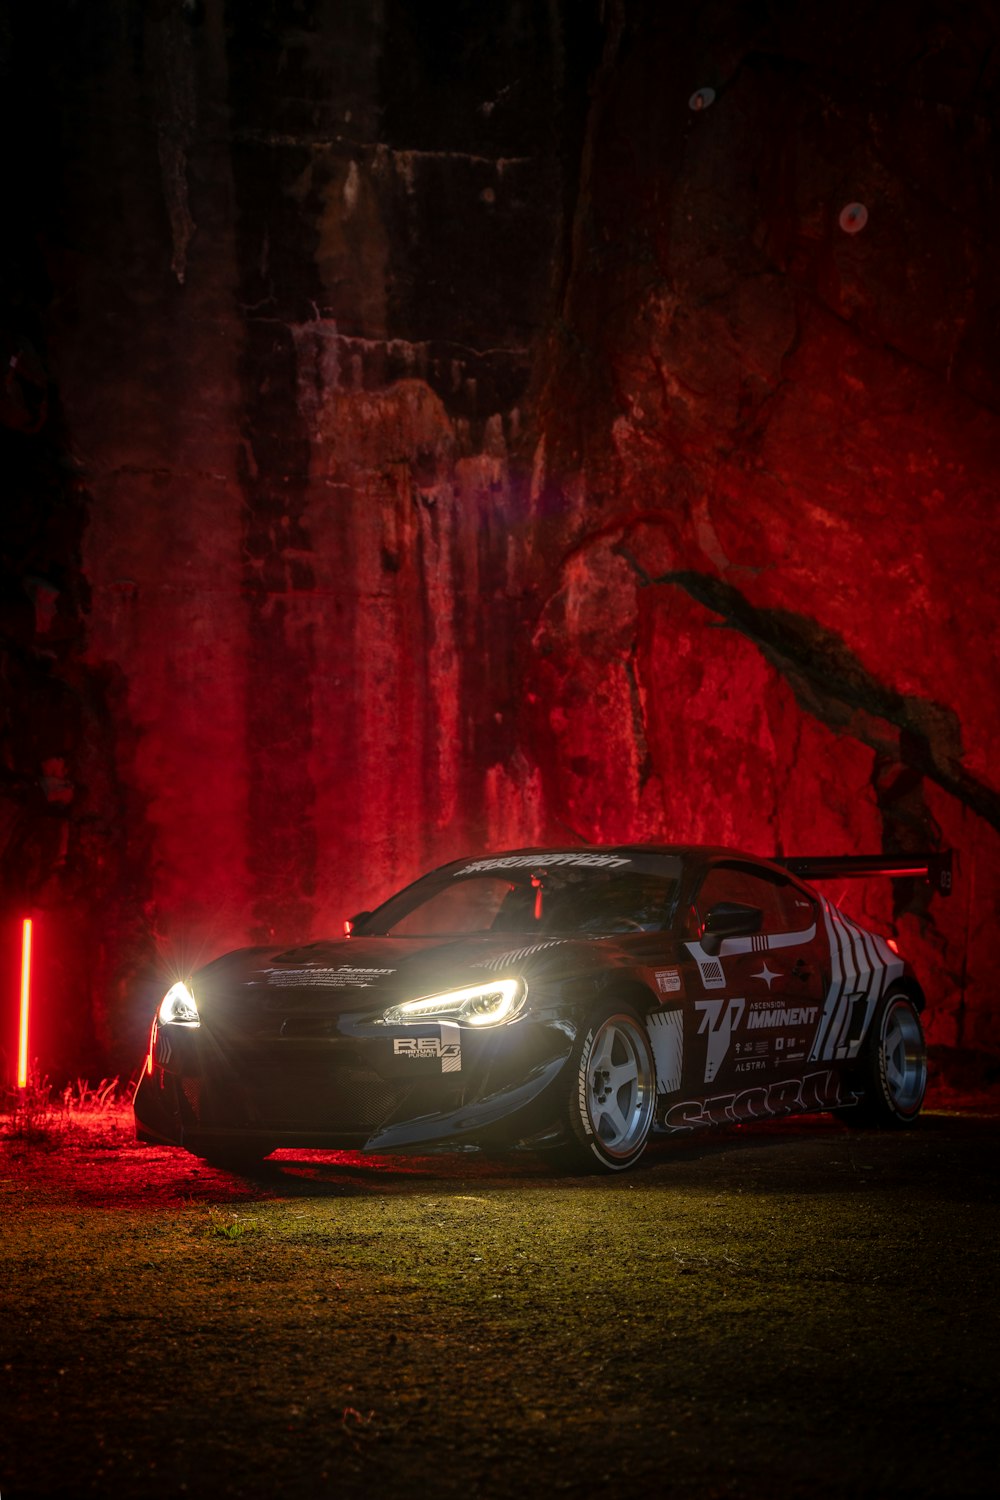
<point x="545" y="860"/>
<point x="337" y="979"/>
<point x="768" y="1017"/>
<point x="755" y="1048"/>
<point x="423" y="1046"/>
<point x="446" y="1048"/>
<point x="668" y="981"/>
<point x="713" y="975"/>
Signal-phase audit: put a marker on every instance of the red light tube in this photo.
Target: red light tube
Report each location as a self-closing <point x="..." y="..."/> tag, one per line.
<point x="22" y="1040"/>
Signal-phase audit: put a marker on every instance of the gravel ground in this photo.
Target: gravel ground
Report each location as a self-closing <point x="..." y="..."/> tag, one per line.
<point x="790" y="1309"/>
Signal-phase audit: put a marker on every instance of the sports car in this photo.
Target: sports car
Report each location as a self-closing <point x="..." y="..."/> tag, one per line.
<point x="573" y="1001"/>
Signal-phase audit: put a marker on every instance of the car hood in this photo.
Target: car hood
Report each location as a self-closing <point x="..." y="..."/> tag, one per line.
<point x="362" y="972"/>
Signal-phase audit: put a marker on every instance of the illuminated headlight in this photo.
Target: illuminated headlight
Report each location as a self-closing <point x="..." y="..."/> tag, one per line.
<point x="177" y="1008"/>
<point x="480" y="1005"/>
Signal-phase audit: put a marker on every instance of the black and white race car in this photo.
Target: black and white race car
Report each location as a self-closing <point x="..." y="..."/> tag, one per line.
<point x="570" y="1000"/>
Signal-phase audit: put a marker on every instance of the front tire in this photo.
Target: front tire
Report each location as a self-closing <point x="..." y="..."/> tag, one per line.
<point x="893" y="1075"/>
<point x="612" y="1096"/>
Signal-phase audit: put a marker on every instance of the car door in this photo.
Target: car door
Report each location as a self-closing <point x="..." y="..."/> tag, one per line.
<point x="756" y="996"/>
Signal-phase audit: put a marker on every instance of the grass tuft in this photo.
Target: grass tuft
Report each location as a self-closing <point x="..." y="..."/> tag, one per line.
<point x="31" y="1117"/>
<point x="227" y="1227"/>
<point x="84" y="1098"/>
<point x="39" y="1117"/>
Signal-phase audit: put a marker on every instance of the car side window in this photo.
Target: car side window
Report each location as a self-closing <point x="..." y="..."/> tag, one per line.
<point x="801" y="911"/>
<point x="780" y="901"/>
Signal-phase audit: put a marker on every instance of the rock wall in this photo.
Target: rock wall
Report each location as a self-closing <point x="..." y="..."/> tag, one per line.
<point x="768" y="457"/>
<point x="465" y="440"/>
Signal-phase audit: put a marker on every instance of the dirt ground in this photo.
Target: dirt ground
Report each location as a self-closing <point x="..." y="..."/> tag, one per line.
<point x="791" y="1309"/>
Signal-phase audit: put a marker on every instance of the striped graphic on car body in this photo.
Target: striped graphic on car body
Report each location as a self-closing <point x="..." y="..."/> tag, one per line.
<point x="862" y="965"/>
<point x="764" y="942"/>
<point x="713" y="975"/>
<point x="516" y="955"/>
<point x="451" y="1047"/>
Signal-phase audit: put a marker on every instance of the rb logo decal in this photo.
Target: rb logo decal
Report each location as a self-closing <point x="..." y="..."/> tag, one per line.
<point x="446" y="1049"/>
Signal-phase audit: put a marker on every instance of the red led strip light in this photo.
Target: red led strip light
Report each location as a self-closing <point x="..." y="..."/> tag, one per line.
<point x="22" y="1040"/>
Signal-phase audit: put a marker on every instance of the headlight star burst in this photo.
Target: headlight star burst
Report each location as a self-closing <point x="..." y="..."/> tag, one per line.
<point x="178" y="1007"/>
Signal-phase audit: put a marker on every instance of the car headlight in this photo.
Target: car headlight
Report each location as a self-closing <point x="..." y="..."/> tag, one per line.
<point x="178" y="1008"/>
<point x="480" y="1005"/>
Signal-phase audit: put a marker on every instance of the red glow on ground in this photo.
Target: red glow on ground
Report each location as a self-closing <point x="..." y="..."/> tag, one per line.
<point x="22" y="1039"/>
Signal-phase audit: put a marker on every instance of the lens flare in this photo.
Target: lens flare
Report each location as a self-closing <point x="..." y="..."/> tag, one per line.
<point x="178" y="1007"/>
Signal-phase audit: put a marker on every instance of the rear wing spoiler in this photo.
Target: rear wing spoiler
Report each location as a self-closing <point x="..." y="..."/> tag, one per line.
<point x="936" y="868"/>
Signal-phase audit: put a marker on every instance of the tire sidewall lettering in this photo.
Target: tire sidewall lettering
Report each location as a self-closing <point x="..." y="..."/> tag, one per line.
<point x="883" y="1071"/>
<point x="581" y="1084"/>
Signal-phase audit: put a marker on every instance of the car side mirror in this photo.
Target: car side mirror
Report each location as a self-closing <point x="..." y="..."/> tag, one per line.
<point x="729" y="919"/>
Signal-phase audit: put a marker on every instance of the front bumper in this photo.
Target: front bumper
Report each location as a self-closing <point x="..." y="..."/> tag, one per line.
<point x="355" y="1085"/>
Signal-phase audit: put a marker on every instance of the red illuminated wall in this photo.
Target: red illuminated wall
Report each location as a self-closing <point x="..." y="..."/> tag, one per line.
<point x="464" y="442"/>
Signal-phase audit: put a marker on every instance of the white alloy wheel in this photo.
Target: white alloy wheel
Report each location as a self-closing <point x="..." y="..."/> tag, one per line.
<point x="902" y="1058"/>
<point x="892" y="1072"/>
<point x="614" y="1098"/>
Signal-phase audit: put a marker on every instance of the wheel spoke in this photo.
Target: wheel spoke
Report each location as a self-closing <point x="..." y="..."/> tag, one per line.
<point x="601" y="1055"/>
<point x="610" y="1111"/>
<point x="896" y="1069"/>
<point x="895" y="1056"/>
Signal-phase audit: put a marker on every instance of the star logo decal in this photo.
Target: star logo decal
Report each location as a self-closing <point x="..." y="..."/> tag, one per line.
<point x="767" y="974"/>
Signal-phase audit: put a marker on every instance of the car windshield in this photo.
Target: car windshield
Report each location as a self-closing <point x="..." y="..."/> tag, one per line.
<point x="538" y="897"/>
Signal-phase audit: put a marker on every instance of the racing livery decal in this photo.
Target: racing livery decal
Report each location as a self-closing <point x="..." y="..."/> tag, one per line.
<point x="668" y="981"/>
<point x="719" y="1018"/>
<point x="542" y="861"/>
<point x="775" y="1016"/>
<point x="862" y="965"/>
<point x="504" y="960"/>
<point x="789" y="1096"/>
<point x="713" y="975"/>
<point x="666" y="1037"/>
<point x="337" y="979"/>
<point x="447" y="1047"/>
<point x="766" y="942"/>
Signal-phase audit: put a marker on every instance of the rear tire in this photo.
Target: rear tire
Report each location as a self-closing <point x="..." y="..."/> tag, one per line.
<point x="612" y="1096"/>
<point x="893" y="1073"/>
